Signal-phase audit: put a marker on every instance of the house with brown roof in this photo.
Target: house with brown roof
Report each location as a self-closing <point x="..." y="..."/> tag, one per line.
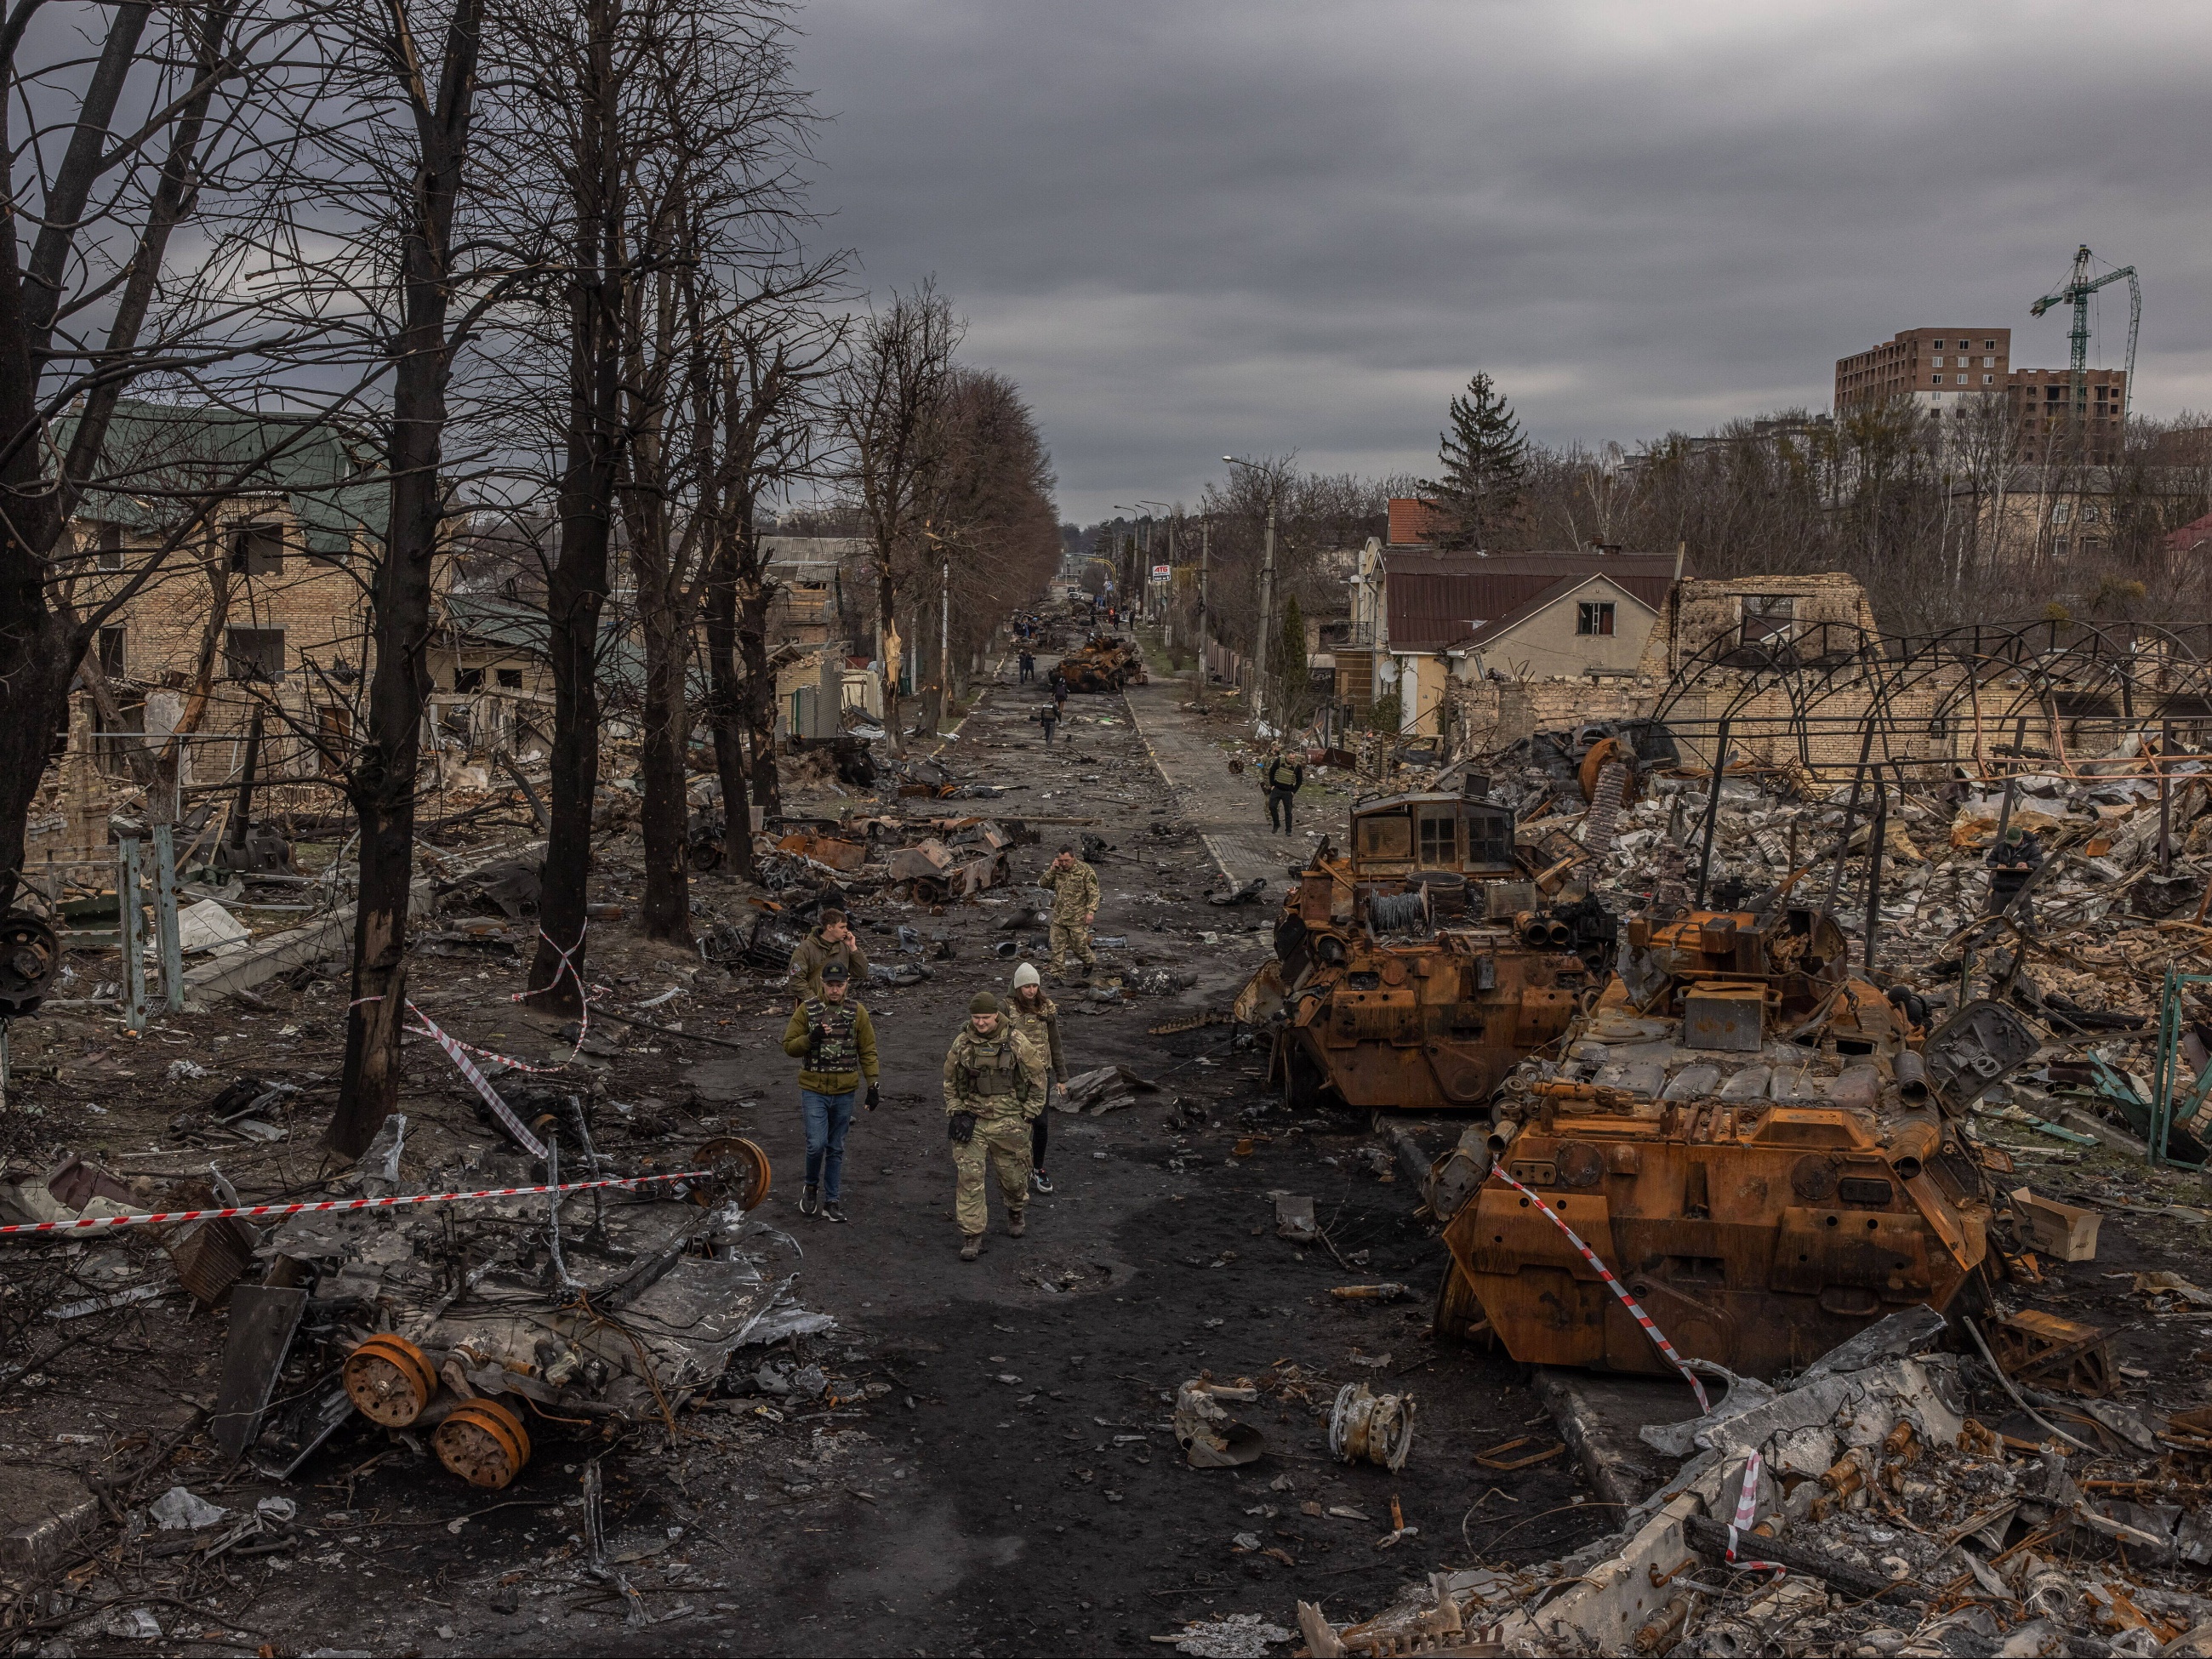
<point x="1431" y="616"/>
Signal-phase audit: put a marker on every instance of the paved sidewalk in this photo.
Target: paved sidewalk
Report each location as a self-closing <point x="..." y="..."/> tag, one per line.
<point x="1226" y="809"/>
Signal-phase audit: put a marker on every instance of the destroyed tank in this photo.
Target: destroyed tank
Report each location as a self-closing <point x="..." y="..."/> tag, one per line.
<point x="1415" y="971"/>
<point x="1103" y="663"/>
<point x="1757" y="1142"/>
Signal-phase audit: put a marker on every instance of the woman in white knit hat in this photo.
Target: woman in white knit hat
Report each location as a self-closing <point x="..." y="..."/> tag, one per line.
<point x="1033" y="1014"/>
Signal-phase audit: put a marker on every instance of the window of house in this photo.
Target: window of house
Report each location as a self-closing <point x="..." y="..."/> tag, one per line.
<point x="255" y="653"/>
<point x="1593" y="618"/>
<point x="1440" y="837"/>
<point x="1386" y="836"/>
<point x="510" y="679"/>
<point x="468" y="679"/>
<point x="1989" y="363"/>
<point x="1989" y="380"/>
<point x="258" y="549"/>
<point x="1938" y="345"/>
<point x="2060" y="511"/>
<point x="110" y="653"/>
<point x="110" y="554"/>
<point x="1767" y="615"/>
<point x="1989" y="345"/>
<point x="2088" y="513"/>
<point x="2061" y="547"/>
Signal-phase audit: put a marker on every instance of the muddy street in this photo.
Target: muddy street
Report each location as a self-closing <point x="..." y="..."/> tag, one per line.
<point x="972" y="1457"/>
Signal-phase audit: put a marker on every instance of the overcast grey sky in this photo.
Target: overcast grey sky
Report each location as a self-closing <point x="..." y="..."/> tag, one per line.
<point x="1263" y="225"/>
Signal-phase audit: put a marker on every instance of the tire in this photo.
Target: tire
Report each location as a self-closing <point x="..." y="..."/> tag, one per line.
<point x="1458" y="1310"/>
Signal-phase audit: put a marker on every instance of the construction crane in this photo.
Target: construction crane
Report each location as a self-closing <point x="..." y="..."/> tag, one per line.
<point x="2077" y="293"/>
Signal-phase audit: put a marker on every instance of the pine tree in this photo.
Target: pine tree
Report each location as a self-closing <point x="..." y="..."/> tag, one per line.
<point x="1484" y="456"/>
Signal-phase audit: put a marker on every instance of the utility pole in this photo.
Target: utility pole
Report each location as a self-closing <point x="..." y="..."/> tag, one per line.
<point x="1267" y="615"/>
<point x="1204" y="549"/>
<point x="944" y="638"/>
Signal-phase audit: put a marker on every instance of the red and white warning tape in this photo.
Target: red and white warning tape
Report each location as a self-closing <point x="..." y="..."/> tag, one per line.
<point x="527" y="1142"/>
<point x="1746" y="1511"/>
<point x="1644" y="1319"/>
<point x="257" y="1212"/>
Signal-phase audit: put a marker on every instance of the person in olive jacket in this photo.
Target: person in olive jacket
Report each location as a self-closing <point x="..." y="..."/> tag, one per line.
<point x="833" y="1034"/>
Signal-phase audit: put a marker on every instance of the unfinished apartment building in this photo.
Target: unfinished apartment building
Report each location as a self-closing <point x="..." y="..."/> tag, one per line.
<point x="257" y="604"/>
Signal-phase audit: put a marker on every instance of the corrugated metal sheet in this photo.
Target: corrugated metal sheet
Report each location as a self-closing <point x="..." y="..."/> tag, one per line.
<point x="1438" y="598"/>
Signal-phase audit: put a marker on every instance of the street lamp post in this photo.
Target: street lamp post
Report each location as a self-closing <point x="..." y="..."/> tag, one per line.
<point x="1266" y="591"/>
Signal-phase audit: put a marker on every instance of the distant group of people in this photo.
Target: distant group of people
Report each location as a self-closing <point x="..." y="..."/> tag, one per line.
<point x="997" y="1071"/>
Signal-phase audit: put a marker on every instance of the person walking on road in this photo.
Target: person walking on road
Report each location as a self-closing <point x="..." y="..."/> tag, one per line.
<point x="1037" y="1019"/>
<point x="993" y="1089"/>
<point x="1060" y="691"/>
<point x="1029" y="666"/>
<point x="1048" y="717"/>
<point x="830" y="940"/>
<point x="1074" y="887"/>
<point x="1282" y="779"/>
<point x="833" y="1036"/>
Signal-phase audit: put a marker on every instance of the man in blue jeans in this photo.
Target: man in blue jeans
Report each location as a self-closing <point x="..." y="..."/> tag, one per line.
<point x="832" y="1034"/>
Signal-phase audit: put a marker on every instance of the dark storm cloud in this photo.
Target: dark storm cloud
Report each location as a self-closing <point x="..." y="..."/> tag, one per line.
<point x="1260" y="224"/>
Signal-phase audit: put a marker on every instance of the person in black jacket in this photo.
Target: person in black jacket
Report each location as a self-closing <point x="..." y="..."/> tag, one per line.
<point x="1282" y="778"/>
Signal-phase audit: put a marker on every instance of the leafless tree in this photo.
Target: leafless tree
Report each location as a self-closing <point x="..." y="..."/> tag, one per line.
<point x="985" y="498"/>
<point x="884" y="401"/>
<point x="432" y="102"/>
<point x="166" y="124"/>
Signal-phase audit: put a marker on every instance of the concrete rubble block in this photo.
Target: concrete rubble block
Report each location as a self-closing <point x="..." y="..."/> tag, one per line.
<point x="45" y="1514"/>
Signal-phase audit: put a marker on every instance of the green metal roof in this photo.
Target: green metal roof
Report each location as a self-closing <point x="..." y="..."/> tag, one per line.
<point x="161" y="459"/>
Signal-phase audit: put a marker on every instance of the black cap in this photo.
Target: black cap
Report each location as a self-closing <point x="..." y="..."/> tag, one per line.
<point x="834" y="973"/>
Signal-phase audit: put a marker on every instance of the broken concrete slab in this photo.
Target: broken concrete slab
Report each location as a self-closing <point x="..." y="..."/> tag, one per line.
<point x="44" y="1512"/>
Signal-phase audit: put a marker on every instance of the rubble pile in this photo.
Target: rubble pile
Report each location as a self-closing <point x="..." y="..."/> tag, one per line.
<point x="2114" y="904"/>
<point x="1892" y="1499"/>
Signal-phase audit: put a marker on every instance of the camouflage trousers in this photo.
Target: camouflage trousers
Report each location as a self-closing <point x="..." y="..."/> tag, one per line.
<point x="1071" y="938"/>
<point x="1005" y="1142"/>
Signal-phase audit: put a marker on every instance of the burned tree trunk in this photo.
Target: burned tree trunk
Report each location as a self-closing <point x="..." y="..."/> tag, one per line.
<point x="382" y="785"/>
<point x="577" y="588"/>
<point x="663" y="820"/>
<point x="758" y="681"/>
<point x="727" y="695"/>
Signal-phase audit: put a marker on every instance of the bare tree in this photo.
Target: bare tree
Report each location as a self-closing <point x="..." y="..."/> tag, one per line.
<point x="767" y="372"/>
<point x="165" y="126"/>
<point x="884" y="399"/>
<point x="434" y="101"/>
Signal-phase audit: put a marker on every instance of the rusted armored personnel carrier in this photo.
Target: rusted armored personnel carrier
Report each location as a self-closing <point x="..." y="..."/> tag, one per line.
<point x="1412" y="972"/>
<point x="1758" y="1144"/>
<point x="1103" y="663"/>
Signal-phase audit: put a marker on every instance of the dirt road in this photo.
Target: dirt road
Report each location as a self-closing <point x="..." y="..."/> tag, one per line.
<point x="990" y="1468"/>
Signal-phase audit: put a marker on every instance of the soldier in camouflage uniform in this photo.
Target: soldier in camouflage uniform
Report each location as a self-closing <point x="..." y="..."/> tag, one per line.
<point x="994" y="1086"/>
<point x="1074" y="887"/>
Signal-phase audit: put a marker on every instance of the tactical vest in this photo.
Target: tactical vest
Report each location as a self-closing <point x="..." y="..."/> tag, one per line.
<point x="990" y="1070"/>
<point x="834" y="1051"/>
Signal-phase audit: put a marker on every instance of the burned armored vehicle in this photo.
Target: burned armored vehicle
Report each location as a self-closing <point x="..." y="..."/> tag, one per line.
<point x="1103" y="663"/>
<point x="1759" y="1144"/>
<point x="1413" y="971"/>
